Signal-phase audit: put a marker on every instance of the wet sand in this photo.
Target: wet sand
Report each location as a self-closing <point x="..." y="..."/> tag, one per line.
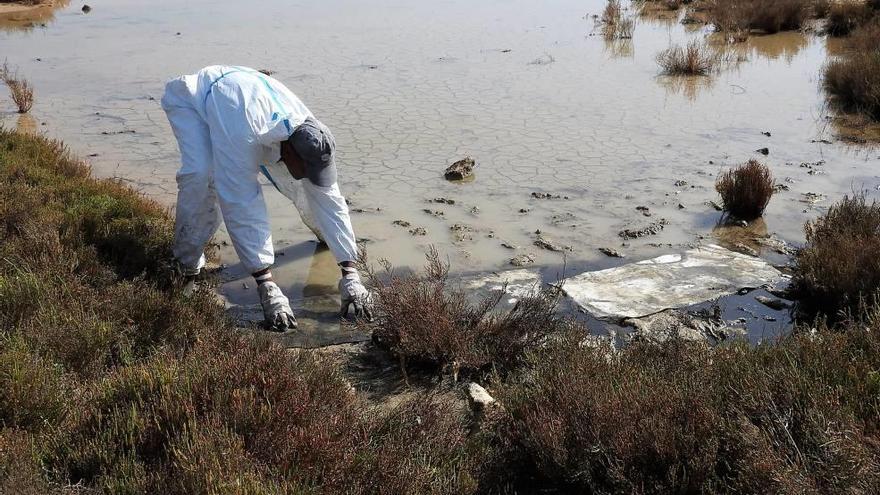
<point x="531" y="91"/>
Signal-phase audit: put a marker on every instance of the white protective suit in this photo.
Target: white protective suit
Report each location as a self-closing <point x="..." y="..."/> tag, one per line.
<point x="229" y="123"/>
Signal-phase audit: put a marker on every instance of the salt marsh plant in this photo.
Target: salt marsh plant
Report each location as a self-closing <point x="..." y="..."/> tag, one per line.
<point x="746" y="190"/>
<point x="615" y="24"/>
<point x="19" y="89"/>
<point x="852" y="80"/>
<point x="838" y="268"/>
<point x="696" y="59"/>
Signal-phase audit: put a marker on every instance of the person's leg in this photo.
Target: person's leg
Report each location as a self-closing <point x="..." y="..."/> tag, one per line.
<point x="236" y="169"/>
<point x="196" y="215"/>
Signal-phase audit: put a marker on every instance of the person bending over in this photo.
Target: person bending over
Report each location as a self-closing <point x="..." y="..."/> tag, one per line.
<point x="231" y="123"/>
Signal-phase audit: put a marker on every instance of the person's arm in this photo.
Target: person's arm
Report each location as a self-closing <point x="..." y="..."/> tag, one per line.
<point x="331" y="214"/>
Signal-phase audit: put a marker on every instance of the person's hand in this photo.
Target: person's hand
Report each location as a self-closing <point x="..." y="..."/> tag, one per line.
<point x="276" y="308"/>
<point x="353" y="293"/>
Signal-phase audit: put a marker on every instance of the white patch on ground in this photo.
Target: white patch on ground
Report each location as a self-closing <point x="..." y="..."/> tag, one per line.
<point x="671" y="281"/>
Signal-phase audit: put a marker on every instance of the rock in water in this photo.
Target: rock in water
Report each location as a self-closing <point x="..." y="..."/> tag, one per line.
<point x="461" y="169"/>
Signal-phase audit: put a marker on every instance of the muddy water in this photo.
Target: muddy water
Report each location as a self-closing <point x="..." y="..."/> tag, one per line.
<point x="530" y="90"/>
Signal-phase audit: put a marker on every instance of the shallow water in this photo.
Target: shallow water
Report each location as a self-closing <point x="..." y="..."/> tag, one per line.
<point x="530" y="90"/>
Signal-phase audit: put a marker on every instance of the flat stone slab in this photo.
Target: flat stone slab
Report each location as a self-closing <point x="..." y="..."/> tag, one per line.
<point x="671" y="281"/>
<point x="318" y="319"/>
<point x="516" y="284"/>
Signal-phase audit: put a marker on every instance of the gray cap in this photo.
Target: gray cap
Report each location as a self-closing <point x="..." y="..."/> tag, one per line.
<point x="313" y="142"/>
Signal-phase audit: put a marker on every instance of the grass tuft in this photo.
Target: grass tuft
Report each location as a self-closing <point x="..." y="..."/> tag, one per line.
<point x="697" y="59"/>
<point x="746" y="190"/>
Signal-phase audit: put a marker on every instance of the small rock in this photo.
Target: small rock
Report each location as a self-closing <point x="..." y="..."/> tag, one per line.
<point x="461" y="169"/>
<point x="509" y="245"/>
<point x="86" y="9"/>
<point x="436" y="213"/>
<point x="773" y="303"/>
<point x="652" y="229"/>
<point x="524" y="210"/>
<point x="681" y="206"/>
<point x="418" y="231"/>
<point x="545" y="243"/>
<point x="681" y="183"/>
<point x="401" y="223"/>
<point x="478" y="397"/>
<point x="763" y="151"/>
<point x="766" y="133"/>
<point x="522" y="260"/>
<point x="544" y="195"/>
<point x="445" y="201"/>
<point x="645" y="210"/>
<point x="611" y="252"/>
<point x="475" y="210"/>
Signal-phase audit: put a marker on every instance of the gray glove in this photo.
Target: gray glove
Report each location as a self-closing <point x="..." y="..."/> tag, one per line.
<point x="353" y="293"/>
<point x="276" y="307"/>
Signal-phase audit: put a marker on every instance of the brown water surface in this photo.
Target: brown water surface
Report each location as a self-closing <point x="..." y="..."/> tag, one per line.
<point x="530" y="90"/>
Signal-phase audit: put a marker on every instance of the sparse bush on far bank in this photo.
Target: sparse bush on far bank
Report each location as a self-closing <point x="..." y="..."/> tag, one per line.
<point x="767" y="16"/>
<point x="746" y="190"/>
<point x="844" y="17"/>
<point x="696" y="59"/>
<point x="852" y="80"/>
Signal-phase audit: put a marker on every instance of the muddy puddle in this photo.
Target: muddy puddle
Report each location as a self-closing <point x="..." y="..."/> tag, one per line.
<point x="573" y="135"/>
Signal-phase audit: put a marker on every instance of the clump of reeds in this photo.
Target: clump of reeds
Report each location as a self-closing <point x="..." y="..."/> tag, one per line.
<point x="695" y="59"/>
<point x="615" y="24"/>
<point x="839" y="267"/>
<point x="852" y="80"/>
<point x="767" y="16"/>
<point x="746" y="190"/>
<point x="845" y="17"/>
<point x="19" y="88"/>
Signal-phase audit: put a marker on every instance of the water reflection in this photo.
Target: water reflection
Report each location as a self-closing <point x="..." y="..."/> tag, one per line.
<point x="26" y="124"/>
<point x="741" y="238"/>
<point x="28" y="18"/>
<point x="619" y="48"/>
<point x="688" y="86"/>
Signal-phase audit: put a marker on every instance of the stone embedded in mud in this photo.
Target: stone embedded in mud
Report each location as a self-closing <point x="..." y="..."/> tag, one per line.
<point x="652" y="229"/>
<point x="772" y="303"/>
<point x="434" y="213"/>
<point x="545" y="243"/>
<point x="462" y="232"/>
<point x="522" y="260"/>
<point x="461" y="169"/>
<point x="401" y="223"/>
<point x="611" y="252"/>
<point x="671" y="281"/>
<point x="445" y="201"/>
<point x="763" y="151"/>
<point x="544" y="195"/>
<point x="418" y="231"/>
<point x="86" y="9"/>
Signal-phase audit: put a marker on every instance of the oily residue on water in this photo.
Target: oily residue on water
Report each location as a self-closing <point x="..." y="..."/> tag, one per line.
<point x="410" y="88"/>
